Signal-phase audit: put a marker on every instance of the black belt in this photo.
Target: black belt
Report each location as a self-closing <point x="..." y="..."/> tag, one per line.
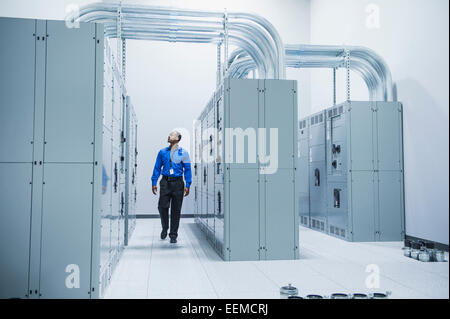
<point x="172" y="178"/>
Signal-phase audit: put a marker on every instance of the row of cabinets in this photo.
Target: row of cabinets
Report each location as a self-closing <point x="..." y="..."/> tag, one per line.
<point x="63" y="160"/>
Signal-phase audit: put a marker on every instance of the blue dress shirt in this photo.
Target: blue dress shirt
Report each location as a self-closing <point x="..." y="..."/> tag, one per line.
<point x="180" y="163"/>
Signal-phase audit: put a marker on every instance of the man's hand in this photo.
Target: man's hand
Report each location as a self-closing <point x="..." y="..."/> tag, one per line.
<point x="186" y="191"/>
<point x="154" y="189"/>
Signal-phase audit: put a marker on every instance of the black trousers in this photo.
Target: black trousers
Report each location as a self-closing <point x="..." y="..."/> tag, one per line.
<point x="171" y="192"/>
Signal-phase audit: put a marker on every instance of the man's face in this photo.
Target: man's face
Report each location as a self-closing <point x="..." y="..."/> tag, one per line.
<point x="173" y="137"/>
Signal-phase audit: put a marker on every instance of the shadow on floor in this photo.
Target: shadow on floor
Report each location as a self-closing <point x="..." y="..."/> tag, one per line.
<point x="205" y="245"/>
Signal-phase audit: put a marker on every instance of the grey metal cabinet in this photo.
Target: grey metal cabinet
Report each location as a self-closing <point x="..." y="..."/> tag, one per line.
<point x="250" y="206"/>
<point x="116" y="181"/>
<point x="281" y="229"/>
<point x="317" y="172"/>
<point x="303" y="172"/>
<point x="69" y="128"/>
<point x="17" y="65"/>
<point x="363" y="167"/>
<point x="130" y="170"/>
<point x="15" y="210"/>
<point x="390" y="197"/>
<point x="66" y="243"/>
<point x="17" y="114"/>
<point x="241" y="221"/>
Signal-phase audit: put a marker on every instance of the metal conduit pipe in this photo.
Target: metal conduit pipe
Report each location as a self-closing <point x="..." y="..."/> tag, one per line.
<point x="271" y="53"/>
<point x="356" y="64"/>
<point x="325" y="57"/>
<point x="234" y="55"/>
<point x="266" y="25"/>
<point x="165" y="35"/>
<point x="249" y="47"/>
<point x="371" y="79"/>
<point x="106" y="13"/>
<point x="176" y="35"/>
<point x="238" y="67"/>
<point x="274" y="35"/>
<point x="241" y="65"/>
<point x="371" y="57"/>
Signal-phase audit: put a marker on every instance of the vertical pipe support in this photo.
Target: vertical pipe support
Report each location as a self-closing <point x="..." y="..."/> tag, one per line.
<point x="347" y="66"/>
<point x="124" y="57"/>
<point x="334" y="86"/>
<point x="219" y="64"/>
<point x="225" y="39"/>
<point x="119" y="35"/>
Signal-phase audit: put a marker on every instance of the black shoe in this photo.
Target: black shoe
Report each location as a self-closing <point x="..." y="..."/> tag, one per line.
<point x="163" y="234"/>
<point x="173" y="240"/>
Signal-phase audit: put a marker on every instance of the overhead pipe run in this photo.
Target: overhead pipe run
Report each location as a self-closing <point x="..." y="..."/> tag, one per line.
<point x="250" y="32"/>
<point x="370" y="66"/>
<point x="363" y="55"/>
<point x="260" y="46"/>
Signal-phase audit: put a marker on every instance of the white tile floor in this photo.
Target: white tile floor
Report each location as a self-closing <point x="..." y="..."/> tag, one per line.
<point x="153" y="268"/>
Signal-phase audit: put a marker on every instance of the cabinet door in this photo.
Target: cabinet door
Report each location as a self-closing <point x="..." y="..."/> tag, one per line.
<point x="70" y="93"/>
<point x="15" y="210"/>
<point x="361" y="136"/>
<point x="362" y="206"/>
<point x="281" y="227"/>
<point x="243" y="227"/>
<point x="390" y="206"/>
<point x="278" y="113"/>
<point x="17" y="64"/>
<point x="66" y="231"/>
<point x="389" y="136"/>
<point x="241" y="139"/>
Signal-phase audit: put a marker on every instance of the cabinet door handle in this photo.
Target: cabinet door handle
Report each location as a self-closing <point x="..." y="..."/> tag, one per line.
<point x="115" y="177"/>
<point x="337" y="198"/>
<point x="317" y="176"/>
<point x="219" y="203"/>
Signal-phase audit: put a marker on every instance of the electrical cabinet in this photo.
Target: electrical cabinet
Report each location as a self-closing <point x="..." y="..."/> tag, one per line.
<point x="119" y="167"/>
<point x="130" y="170"/>
<point x="303" y="174"/>
<point x="317" y="176"/>
<point x="113" y="168"/>
<point x="245" y="180"/>
<point x="61" y="124"/>
<point x="15" y="228"/>
<point x="355" y="172"/>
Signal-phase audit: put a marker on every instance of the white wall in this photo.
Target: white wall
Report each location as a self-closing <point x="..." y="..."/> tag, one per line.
<point x="413" y="39"/>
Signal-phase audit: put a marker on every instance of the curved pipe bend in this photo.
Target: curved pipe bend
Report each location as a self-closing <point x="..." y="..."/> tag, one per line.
<point x="363" y="61"/>
<point x="370" y="57"/>
<point x="267" y="42"/>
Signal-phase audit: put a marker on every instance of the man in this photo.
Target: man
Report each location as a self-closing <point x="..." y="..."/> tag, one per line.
<point x="174" y="161"/>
